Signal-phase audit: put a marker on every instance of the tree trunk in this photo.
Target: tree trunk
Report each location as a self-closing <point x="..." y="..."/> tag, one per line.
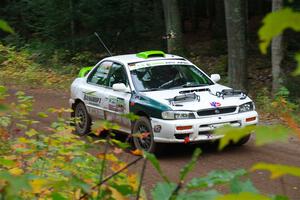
<point x="210" y="12"/>
<point x="219" y="25"/>
<point x="72" y="25"/>
<point x="277" y="53"/>
<point x="236" y="39"/>
<point x="173" y="26"/>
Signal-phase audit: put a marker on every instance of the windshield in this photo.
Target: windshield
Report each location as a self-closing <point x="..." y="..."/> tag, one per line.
<point x="168" y="77"/>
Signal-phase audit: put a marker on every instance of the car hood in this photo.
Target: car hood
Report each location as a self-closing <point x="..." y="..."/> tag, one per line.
<point x="207" y="98"/>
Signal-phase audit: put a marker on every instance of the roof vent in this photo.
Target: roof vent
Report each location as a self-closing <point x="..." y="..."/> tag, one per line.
<point x="150" y="54"/>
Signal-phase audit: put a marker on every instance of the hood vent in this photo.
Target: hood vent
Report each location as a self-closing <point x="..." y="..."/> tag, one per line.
<point x="194" y="90"/>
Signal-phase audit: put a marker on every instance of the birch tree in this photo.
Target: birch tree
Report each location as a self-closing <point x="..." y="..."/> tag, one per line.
<point x="173" y="26"/>
<point x="277" y="52"/>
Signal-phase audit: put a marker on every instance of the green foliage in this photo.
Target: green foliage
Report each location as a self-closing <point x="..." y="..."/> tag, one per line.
<point x="270" y="134"/>
<point x="207" y="195"/>
<point x="70" y="24"/>
<point x="156" y="165"/>
<point x="215" y="178"/>
<point x="18" y="68"/>
<point x="163" y="191"/>
<point x="244" y="196"/>
<point x="5" y="27"/>
<point x="54" y="163"/>
<point x="238" y="186"/>
<point x="297" y="71"/>
<point x="275" y="23"/>
<point x="231" y="134"/>
<point x="190" y="165"/>
<point x="264" y="134"/>
<point x="278" y="170"/>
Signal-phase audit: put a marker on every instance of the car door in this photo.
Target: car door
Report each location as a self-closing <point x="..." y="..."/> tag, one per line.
<point x="117" y="102"/>
<point x="96" y="91"/>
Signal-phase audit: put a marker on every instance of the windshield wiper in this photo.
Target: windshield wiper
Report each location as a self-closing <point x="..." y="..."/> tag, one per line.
<point x="152" y="89"/>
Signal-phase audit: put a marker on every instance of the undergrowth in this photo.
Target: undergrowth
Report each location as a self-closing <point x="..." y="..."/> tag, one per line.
<point x="53" y="163"/>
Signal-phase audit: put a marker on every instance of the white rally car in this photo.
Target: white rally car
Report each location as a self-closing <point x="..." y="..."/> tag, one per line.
<point x="176" y="101"/>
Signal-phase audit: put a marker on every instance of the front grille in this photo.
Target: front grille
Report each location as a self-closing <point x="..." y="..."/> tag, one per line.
<point x="204" y="128"/>
<point x="217" y="111"/>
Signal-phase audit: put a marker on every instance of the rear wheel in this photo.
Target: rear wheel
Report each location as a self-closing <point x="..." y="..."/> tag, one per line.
<point x="82" y="119"/>
<point x="143" y="135"/>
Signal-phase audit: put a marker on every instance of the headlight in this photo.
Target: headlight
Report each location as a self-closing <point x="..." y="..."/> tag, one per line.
<point x="246" y="107"/>
<point x="177" y="115"/>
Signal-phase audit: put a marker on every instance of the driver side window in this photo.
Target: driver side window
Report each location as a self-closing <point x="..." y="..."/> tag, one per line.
<point x="117" y="75"/>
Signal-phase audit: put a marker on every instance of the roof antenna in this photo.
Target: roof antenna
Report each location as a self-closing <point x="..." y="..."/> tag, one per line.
<point x="96" y="34"/>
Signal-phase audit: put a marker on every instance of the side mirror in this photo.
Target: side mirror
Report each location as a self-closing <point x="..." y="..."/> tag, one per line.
<point x="215" y="77"/>
<point x="121" y="87"/>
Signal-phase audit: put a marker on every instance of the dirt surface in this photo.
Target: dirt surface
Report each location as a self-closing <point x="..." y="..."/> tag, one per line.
<point x="175" y="156"/>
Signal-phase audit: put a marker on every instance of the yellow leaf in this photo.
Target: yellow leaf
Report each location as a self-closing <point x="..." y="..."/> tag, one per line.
<point x="16" y="171"/>
<point x="37" y="185"/>
<point x="78" y="194"/>
<point x="118" y="166"/>
<point x="243" y="196"/>
<point x="116" y="195"/>
<point x="277" y="170"/>
<point x="31" y="132"/>
<point x="137" y="152"/>
<point x="109" y="156"/>
<point x="133" y="181"/>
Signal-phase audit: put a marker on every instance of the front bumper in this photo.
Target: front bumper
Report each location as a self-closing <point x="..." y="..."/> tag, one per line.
<point x="201" y="128"/>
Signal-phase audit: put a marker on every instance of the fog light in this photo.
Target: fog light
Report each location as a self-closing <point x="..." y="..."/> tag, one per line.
<point x="181" y="128"/>
<point x="250" y="119"/>
<point x="157" y="128"/>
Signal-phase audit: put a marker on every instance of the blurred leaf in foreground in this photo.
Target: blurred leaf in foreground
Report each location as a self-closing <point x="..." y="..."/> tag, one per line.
<point x="163" y="191"/>
<point x="275" y="23"/>
<point x="277" y="170"/>
<point x="5" y="27"/>
<point x="270" y="134"/>
<point x="232" y="134"/>
<point x="190" y="165"/>
<point x="243" y="196"/>
<point x="215" y="178"/>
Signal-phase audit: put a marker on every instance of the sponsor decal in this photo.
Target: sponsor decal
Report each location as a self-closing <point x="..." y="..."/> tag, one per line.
<point x="215" y="104"/>
<point x="91" y="98"/>
<point x="155" y="63"/>
<point x="116" y="104"/>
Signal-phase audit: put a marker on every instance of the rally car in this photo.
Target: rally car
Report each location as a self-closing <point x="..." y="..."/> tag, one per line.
<point x="176" y="101"/>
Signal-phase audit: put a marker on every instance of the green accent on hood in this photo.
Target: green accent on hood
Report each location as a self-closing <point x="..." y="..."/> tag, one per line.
<point x="84" y="71"/>
<point x="148" y="105"/>
<point x="150" y="54"/>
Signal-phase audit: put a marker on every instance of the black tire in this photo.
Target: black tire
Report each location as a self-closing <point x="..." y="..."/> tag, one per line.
<point x="147" y="143"/>
<point x="83" y="119"/>
<point x="243" y="140"/>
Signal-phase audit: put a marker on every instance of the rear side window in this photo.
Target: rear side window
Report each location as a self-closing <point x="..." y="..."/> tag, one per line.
<point x="100" y="74"/>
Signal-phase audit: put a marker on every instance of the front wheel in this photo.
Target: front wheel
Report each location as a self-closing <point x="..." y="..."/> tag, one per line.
<point x="243" y="140"/>
<point x="82" y="119"/>
<point x="143" y="136"/>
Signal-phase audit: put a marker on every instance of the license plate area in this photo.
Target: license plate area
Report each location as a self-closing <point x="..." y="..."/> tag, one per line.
<point x="213" y="126"/>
